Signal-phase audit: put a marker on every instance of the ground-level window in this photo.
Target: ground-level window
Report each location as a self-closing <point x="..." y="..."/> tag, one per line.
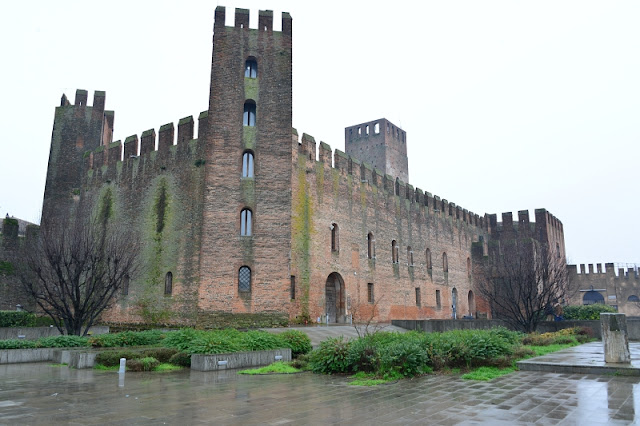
<point x="438" y="300"/>
<point x="244" y="279"/>
<point x="370" y="292"/>
<point x="168" y="284"/>
<point x="246" y="219"/>
<point x="293" y="287"/>
<point x="418" y="298"/>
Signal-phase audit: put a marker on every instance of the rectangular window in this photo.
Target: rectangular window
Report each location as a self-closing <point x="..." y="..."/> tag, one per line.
<point x="438" y="301"/>
<point x="370" y="292"/>
<point x="418" y="301"/>
<point x="293" y="287"/>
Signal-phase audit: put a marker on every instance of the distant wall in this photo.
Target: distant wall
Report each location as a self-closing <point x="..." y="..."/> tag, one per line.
<point x="35" y="333"/>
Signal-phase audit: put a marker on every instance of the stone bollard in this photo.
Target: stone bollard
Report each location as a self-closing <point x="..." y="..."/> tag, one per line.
<point x="615" y="339"/>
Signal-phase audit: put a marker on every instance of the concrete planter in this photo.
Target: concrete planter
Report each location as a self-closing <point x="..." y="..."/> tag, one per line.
<point x="229" y="361"/>
<point x="34" y="333"/>
<point x="17" y="356"/>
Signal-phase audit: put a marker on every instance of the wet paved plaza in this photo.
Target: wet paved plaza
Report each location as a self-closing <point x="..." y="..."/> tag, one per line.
<point x="45" y="394"/>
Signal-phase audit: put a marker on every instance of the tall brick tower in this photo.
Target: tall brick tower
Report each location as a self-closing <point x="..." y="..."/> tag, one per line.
<point x="76" y="129"/>
<point x="381" y="144"/>
<point x="246" y="233"/>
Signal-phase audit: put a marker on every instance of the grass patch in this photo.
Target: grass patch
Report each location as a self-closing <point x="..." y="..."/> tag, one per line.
<point x="370" y="379"/>
<point x="275" y="368"/>
<point x="103" y="367"/>
<point x="165" y="366"/>
<point x="487" y="373"/>
<point x="543" y="350"/>
<point x="59" y="365"/>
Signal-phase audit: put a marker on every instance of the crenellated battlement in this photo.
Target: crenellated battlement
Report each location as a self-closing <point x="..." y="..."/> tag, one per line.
<point x="242" y="16"/>
<point x="629" y="271"/>
<point x="149" y="142"/>
<point x="365" y="175"/>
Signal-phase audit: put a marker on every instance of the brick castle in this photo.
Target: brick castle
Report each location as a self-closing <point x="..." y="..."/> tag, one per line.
<point x="247" y="221"/>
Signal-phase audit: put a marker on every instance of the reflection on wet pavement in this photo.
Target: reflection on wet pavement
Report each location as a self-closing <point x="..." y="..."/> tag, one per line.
<point x="41" y="393"/>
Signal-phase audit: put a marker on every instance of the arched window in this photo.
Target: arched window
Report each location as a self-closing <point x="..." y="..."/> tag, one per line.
<point x="397" y="186"/>
<point x="428" y="254"/>
<point x="249" y="116"/>
<point x="592" y="297"/>
<point x="394" y="252"/>
<point x="633" y="298"/>
<point x="244" y="279"/>
<point x="409" y="256"/>
<point x="246" y="218"/>
<point x="251" y="68"/>
<point x="247" y="164"/>
<point x="168" y="284"/>
<point x="125" y="285"/>
<point x="445" y="262"/>
<point x="335" y="237"/>
<point x="371" y="246"/>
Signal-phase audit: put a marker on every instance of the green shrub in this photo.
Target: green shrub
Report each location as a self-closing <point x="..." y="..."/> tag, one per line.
<point x="182" y="359"/>
<point x="407" y="358"/>
<point x="142" y="364"/>
<point x="511" y="337"/>
<point x="331" y="356"/>
<point x="112" y="358"/>
<point x="62" y="342"/>
<point x="586" y="312"/>
<point x="214" y="343"/>
<point x="127" y="338"/>
<point x="298" y="341"/>
<point x="465" y="347"/>
<point x="17" y="344"/>
<point x="363" y="355"/>
<point x="181" y="339"/>
<point x="17" y="319"/>
<point x="257" y="340"/>
<point x="44" y="322"/>
<point x="163" y="355"/>
<point x="535" y="339"/>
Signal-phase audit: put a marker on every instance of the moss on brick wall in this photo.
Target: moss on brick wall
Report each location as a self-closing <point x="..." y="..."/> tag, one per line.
<point x="242" y="320"/>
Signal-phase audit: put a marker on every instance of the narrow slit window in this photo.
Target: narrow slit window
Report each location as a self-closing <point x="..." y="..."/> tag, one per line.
<point x="293" y="287"/>
<point x="445" y="262"/>
<point x="438" y="301"/>
<point x="168" y="284"/>
<point x="370" y="295"/>
<point x="125" y="285"/>
<point x="246" y="219"/>
<point x="249" y="116"/>
<point x="418" y="297"/>
<point x="251" y="68"/>
<point x="335" y="237"/>
<point x="371" y="246"/>
<point x="394" y="251"/>
<point x="247" y="165"/>
<point x="428" y="255"/>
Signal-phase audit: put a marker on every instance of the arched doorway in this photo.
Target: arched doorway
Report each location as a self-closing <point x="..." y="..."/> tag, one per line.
<point x="472" y="304"/>
<point x="454" y="303"/>
<point x="334" y="298"/>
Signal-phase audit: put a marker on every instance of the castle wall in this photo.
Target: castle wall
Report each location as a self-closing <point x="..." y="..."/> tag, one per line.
<point x="360" y="200"/>
<point x="616" y="289"/>
<point x="158" y="198"/>
<point x="11" y="242"/>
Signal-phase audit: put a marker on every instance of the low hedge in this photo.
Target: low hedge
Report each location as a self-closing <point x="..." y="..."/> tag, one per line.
<point x="17" y="319"/>
<point x="586" y="312"/>
<point x="45" y="342"/>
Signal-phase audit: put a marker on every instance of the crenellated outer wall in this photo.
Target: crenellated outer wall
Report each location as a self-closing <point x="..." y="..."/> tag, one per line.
<point x="360" y="200"/>
<point x="157" y="197"/>
<point x="619" y="288"/>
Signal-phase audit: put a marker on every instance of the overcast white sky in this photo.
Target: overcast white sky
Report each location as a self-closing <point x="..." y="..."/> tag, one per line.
<point x="507" y="105"/>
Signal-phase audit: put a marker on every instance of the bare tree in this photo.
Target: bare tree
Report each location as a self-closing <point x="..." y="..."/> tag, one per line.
<point x="364" y="314"/>
<point x="522" y="282"/>
<point x="75" y="270"/>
